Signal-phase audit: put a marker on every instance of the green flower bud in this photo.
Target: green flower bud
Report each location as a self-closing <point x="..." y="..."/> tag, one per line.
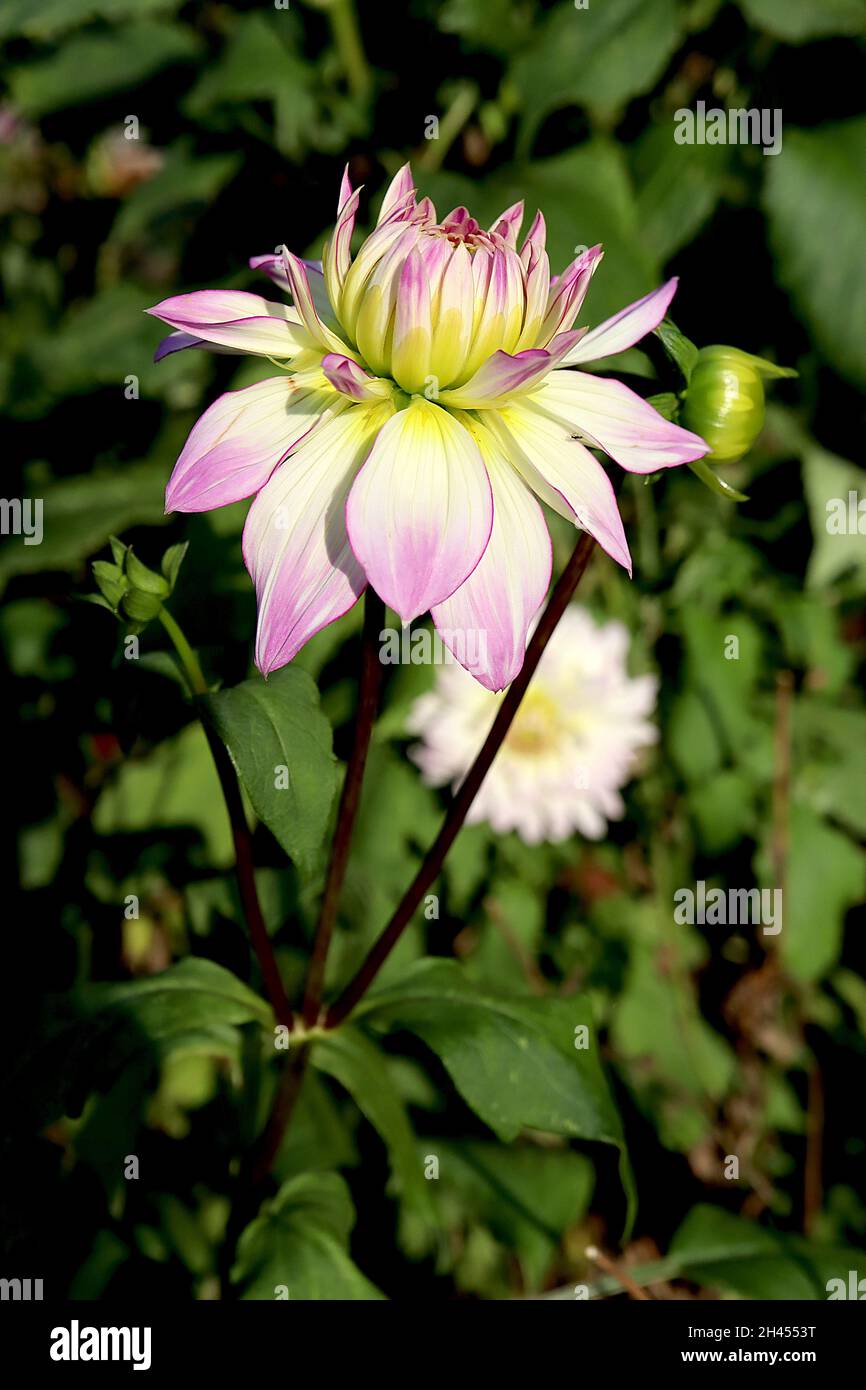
<point x="724" y="402"/>
<point x="141" y="606"/>
<point x="132" y="590"/>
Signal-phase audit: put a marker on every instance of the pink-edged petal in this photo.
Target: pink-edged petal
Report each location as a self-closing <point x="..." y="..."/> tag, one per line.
<point x="568" y="293"/>
<point x="425" y="213"/>
<point x="345" y="190"/>
<point x="626" y="328"/>
<point x="351" y="380"/>
<point x="302" y="293"/>
<point x="236" y="319"/>
<point x="398" y="195"/>
<point x="563" y="473"/>
<point x="420" y="512"/>
<point x="275" y="268"/>
<point x="507" y="224"/>
<point x="177" y="342"/>
<point x="503" y="375"/>
<point x="612" y="417"/>
<point x="337" y="256"/>
<point x="238" y="442"/>
<point x="413" y="329"/>
<point x="537" y="265"/>
<point x="535" y="239"/>
<point x="485" y="622"/>
<point x="295" y="544"/>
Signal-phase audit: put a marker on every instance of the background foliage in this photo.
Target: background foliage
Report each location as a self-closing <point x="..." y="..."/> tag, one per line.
<point x="145" y="1036"/>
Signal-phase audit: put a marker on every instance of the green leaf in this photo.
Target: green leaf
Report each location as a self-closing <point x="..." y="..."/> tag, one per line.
<point x="258" y="64"/>
<point x="678" y="187"/>
<point x="299" y="1243"/>
<point x="715" y="482"/>
<point x="527" y="1196"/>
<point x="691" y="737"/>
<point x="398" y="818"/>
<point x="680" y="349"/>
<point x="831" y="762"/>
<point x="514" y="1060"/>
<point x="361" y="1068"/>
<point x="186" y="181"/>
<point x="723" y="808"/>
<point x="80" y="513"/>
<point x="667" y="403"/>
<point x="498" y="26"/>
<point x="816" y="198"/>
<point x="599" y="57"/>
<point x="837" y="543"/>
<point x="672" y="1069"/>
<point x="717" y="1249"/>
<point x="280" y="743"/>
<point x="88" y="1040"/>
<point x="173" y="786"/>
<point x="94" y="65"/>
<point x="172" y="561"/>
<point x="798" y="21"/>
<point x="107" y="338"/>
<point x="826" y="876"/>
<point x="53" y="17"/>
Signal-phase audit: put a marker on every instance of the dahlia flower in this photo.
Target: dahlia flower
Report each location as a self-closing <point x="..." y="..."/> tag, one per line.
<point x="423" y="404"/>
<point x="573" y="743"/>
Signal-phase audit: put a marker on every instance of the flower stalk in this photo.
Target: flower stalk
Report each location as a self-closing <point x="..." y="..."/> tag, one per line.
<point x="241" y="838"/>
<point x="462" y="801"/>
<point x="368" y="699"/>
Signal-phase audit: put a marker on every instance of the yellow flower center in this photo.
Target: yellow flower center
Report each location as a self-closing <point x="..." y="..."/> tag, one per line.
<point x="537" y="726"/>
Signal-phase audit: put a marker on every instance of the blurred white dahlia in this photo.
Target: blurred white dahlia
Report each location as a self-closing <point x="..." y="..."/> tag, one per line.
<point x="573" y="743"/>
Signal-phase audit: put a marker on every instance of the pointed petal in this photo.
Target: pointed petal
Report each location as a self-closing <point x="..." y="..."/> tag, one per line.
<point x="295" y="544"/>
<point x="563" y="473"/>
<point x="238" y="320"/>
<point x="275" y="269"/>
<point x="420" y="512"/>
<point x="176" y="342"/>
<point x="238" y="442"/>
<point x="485" y="622"/>
<point x="345" y="190"/>
<point x="413" y="330"/>
<point x="507" y="224"/>
<point x="302" y="294"/>
<point x="397" y="193"/>
<point x="626" y="328"/>
<point x="535" y="261"/>
<point x="568" y="293"/>
<point x="615" y="419"/>
<point x="453" y="318"/>
<point x="535" y="239"/>
<point x="337" y="256"/>
<point x="351" y="380"/>
<point x="502" y="375"/>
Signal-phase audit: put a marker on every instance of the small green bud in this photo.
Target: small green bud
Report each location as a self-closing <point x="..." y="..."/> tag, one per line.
<point x="141" y="606"/>
<point x="147" y="581"/>
<point x="724" y="401"/>
<point x="111" y="581"/>
<point x="132" y="590"/>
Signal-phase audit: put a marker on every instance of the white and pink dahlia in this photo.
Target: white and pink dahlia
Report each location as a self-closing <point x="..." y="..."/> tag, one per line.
<point x="574" y="742"/>
<point x="424" y="402"/>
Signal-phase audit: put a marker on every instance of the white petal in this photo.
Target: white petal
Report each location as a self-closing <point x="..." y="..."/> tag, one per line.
<point x="485" y="622"/>
<point x="420" y="513"/>
<point x="563" y="473"/>
<point x="295" y="543"/>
